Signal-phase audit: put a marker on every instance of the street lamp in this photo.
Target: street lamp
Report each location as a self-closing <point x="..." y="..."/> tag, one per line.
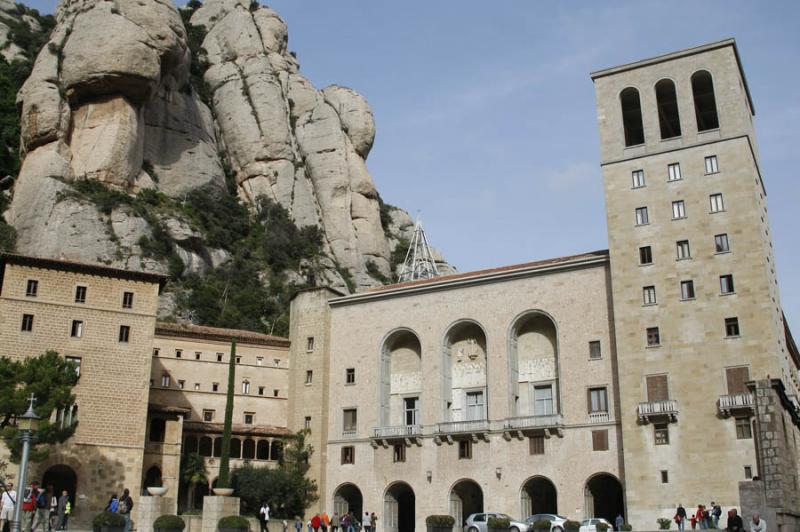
<point x="27" y="424"/>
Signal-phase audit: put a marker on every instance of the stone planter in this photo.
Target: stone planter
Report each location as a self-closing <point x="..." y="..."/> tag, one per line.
<point x="157" y="491"/>
<point x="223" y="492"/>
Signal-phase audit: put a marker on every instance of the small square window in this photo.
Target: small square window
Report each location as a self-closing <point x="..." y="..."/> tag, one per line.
<point x="249" y="418"/>
<point x="27" y="322"/>
<point x="726" y="284"/>
<point x="77" y="329"/>
<point x="124" y="333"/>
<point x="687" y="290"/>
<point x="600" y="440"/>
<point x="678" y="210"/>
<point x="33" y="288"/>
<point x="649" y="295"/>
<point x="748" y="472"/>
<point x="464" y="449"/>
<point x="178" y="353"/>
<point x="156" y="351"/>
<point x="674" y="172"/>
<point x="80" y="294"/>
<point x="645" y="255"/>
<point x="682" y="249"/>
<point x="214" y="386"/>
<point x="77" y="362"/>
<point x="165" y="380"/>
<point x="219" y="357"/>
<point x="310" y="344"/>
<point x="721" y="244"/>
<point x="731" y="327"/>
<point x="197" y="355"/>
<point x="181" y="384"/>
<point x="259" y="361"/>
<point x="307" y="422"/>
<point x="638" y="178"/>
<point x="238" y="360"/>
<point x="348" y="455"/>
<point x="127" y="300"/>
<point x="349" y="421"/>
<point x="642" y="217"/>
<point x="536" y="445"/>
<point x="260" y="390"/>
<point x="716" y="202"/>
<point x="399" y="454"/>
<point x="309" y="376"/>
<point x="744" y="431"/>
<point x="661" y="431"/>
<point x="350" y="376"/>
<point x="594" y="350"/>
<point x="712" y="167"/>
<point x="653" y="337"/>
<point x="274" y="393"/>
<point x="664" y="476"/>
<point x="208" y="416"/>
<point x="197" y="386"/>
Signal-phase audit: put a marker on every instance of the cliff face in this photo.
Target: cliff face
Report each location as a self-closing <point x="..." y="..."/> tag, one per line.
<point x="126" y="95"/>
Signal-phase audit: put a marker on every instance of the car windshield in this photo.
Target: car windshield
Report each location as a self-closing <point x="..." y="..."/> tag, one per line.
<point x="586" y="522"/>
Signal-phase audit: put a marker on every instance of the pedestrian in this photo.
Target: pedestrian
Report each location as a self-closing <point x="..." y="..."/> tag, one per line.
<point x="735" y="523"/>
<point x="285" y="526"/>
<point x="52" y="521"/>
<point x="680" y="516"/>
<point x="699" y="515"/>
<point x="263" y="516"/>
<point x="367" y="522"/>
<point x="315" y="522"/>
<point x="7" y="504"/>
<point x="42" y="502"/>
<point x="335" y="522"/>
<point x="113" y="504"/>
<point x="758" y="524"/>
<point x="124" y="507"/>
<point x="618" y="522"/>
<point x="374" y="520"/>
<point x="324" y="521"/>
<point x="63" y="510"/>
<point x="693" y="521"/>
<point x="308" y="526"/>
<point x="716" y="512"/>
<point x="29" y="505"/>
<point x="298" y="524"/>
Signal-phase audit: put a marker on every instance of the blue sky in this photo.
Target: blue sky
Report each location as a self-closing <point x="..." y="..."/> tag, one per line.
<point x="485" y="112"/>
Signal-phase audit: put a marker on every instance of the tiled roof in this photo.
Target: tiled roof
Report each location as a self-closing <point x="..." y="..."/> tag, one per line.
<point x="217" y="333"/>
<point x="236" y="429"/>
<point x="80" y="267"/>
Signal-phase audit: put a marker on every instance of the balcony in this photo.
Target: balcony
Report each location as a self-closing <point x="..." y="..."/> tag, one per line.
<point x="658" y="409"/>
<point x="405" y="433"/>
<point x="473" y="428"/>
<point x="547" y="424"/>
<point x="735" y="403"/>
<point x="599" y="417"/>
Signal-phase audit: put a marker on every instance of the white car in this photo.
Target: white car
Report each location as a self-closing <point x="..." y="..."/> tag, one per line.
<point x="590" y="525"/>
<point x="478" y="523"/>
<point x="556" y="521"/>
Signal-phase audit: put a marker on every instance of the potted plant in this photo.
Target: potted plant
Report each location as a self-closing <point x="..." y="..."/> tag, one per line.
<point x="440" y="523"/>
<point x="601" y="527"/>
<point x="627" y="527"/>
<point x="108" y="522"/>
<point x="169" y="523"/>
<point x="542" y="524"/>
<point x="233" y="523"/>
<point x="664" y="523"/>
<point x="571" y="526"/>
<point x="498" y="523"/>
<point x="223" y="481"/>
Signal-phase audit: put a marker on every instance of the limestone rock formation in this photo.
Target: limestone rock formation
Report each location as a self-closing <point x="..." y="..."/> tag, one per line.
<point x="10" y="15"/>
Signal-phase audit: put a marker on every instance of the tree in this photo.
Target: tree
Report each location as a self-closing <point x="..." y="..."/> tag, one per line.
<point x="50" y="378"/>
<point x="224" y="467"/>
<point x="193" y="472"/>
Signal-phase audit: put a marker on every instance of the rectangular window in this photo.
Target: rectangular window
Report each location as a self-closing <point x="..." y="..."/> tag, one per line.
<point x="249" y="418"/>
<point x="27" y="322"/>
<point x="748" y="472"/>
<point x="657" y="388"/>
<point x="411" y="410"/>
<point x="197" y="355"/>
<point x="208" y="416"/>
<point x="309" y="376"/>
<point x="649" y="295"/>
<point x="76" y="361"/>
<point x="124" y="333"/>
<point x="80" y="294"/>
<point x="348" y="455"/>
<point x="664" y="476"/>
<point x="682" y="249"/>
<point x="127" y="300"/>
<point x="678" y="210"/>
<point x="238" y="360"/>
<point x="594" y="350"/>
<point x="736" y="379"/>
<point x="716" y="202"/>
<point x="165" y="380"/>
<point x="274" y="393"/>
<point x="600" y="440"/>
<point x="641" y="216"/>
<point x="475" y="404"/>
<point x="399" y="454"/>
<point x="645" y="255"/>
<point x="260" y="390"/>
<point x="674" y="172"/>
<point x="543" y="400"/>
<point x="598" y="400"/>
<point x="638" y="178"/>
<point x="33" y="288"/>
<point x="687" y="290"/>
<point x="726" y="284"/>
<point x="214" y="386"/>
<point x="259" y="361"/>
<point x="350" y="376"/>
<point x="77" y="329"/>
<point x="178" y="353"/>
<point x="307" y="422"/>
<point x="464" y="449"/>
<point x="310" y="344"/>
<point x="744" y="430"/>
<point x="219" y="357"/>
<point x="653" y="336"/>
<point x="245" y="387"/>
<point x="711" y="164"/>
<point x="156" y="351"/>
<point x="721" y="243"/>
<point x="536" y="445"/>
<point x="197" y="386"/>
<point x="731" y="327"/>
<point x="349" y="421"/>
<point x="181" y="384"/>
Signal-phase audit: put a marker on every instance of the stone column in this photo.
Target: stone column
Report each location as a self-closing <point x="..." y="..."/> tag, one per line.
<point x="215" y="508"/>
<point x="147" y="509"/>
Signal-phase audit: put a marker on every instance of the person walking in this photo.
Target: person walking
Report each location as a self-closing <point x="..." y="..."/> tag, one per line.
<point x="335" y="522"/>
<point x="374" y="521"/>
<point x="298" y="524"/>
<point x="7" y="504"/>
<point x="263" y="516"/>
<point x="113" y="504"/>
<point x="324" y="521"/>
<point x="680" y="517"/>
<point x="315" y="522"/>
<point x="29" y="505"/>
<point x="124" y="507"/>
<point x="699" y="515"/>
<point x="758" y="524"/>
<point x="618" y="522"/>
<point x="367" y="522"/>
<point x="52" y="519"/>
<point x="63" y="511"/>
<point x="735" y="523"/>
<point x="716" y="512"/>
<point x="42" y="502"/>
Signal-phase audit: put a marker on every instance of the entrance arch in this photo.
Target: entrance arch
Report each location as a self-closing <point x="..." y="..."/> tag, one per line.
<point x="152" y="478"/>
<point x="61" y="477"/>
<point x="538" y="496"/>
<point x="399" y="508"/>
<point x="603" y="497"/>
<point x="466" y="498"/>
<point x="347" y="498"/>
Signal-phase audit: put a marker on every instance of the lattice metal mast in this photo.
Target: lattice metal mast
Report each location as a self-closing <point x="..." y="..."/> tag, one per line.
<point x="419" y="263"/>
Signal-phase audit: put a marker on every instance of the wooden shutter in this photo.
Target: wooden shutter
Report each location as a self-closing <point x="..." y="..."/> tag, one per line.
<point x="657" y="388"/>
<point x="736" y="378"/>
<point x="600" y="440"/>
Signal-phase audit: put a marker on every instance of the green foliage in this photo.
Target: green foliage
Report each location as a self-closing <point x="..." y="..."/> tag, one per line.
<point x="399" y="254"/>
<point x="440" y="521"/>
<point x="375" y="273"/>
<point x="542" y="524"/>
<point x="195" y="35"/>
<point x="602" y="527"/>
<point x="223" y="481"/>
<point x="571" y="526"/>
<point x="108" y="519"/>
<point x="51" y="379"/>
<point x="664" y="523"/>
<point x="627" y="527"/>
<point x="297" y="453"/>
<point x="103" y="197"/>
<point x="193" y="472"/>
<point x="254" y="5"/>
<point x="234" y="521"/>
<point x="169" y="522"/>
<point x="498" y="523"/>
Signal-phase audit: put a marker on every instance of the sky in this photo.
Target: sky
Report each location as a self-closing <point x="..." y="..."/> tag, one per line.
<point x="486" y="119"/>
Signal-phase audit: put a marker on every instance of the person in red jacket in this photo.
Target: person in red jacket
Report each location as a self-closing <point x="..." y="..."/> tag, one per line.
<point x="315" y="521"/>
<point x="698" y="515"/>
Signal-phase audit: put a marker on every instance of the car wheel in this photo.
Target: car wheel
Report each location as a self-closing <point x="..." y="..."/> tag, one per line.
<point x="514" y="529"/>
<point x="557" y="529"/>
<point x="473" y="529"/>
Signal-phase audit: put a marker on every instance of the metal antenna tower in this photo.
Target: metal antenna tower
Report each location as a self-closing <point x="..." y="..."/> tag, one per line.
<point x="419" y="263"/>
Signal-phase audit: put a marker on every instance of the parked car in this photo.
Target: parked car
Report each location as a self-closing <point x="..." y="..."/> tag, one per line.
<point x="478" y="523"/>
<point x="590" y="525"/>
<point x="556" y="521"/>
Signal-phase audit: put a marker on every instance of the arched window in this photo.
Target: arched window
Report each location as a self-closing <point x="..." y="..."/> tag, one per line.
<point x="217" y="447"/>
<point x="667" y="101"/>
<point x="276" y="451"/>
<point x="190" y="445"/>
<point x="205" y="446"/>
<point x="248" y="449"/>
<point x="262" y="450"/>
<point x="632" y="116"/>
<point x="705" y="105"/>
<point x="236" y="448"/>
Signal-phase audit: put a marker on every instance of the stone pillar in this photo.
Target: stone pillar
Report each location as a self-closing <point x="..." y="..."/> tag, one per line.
<point x="147" y="509"/>
<point x="215" y="508"/>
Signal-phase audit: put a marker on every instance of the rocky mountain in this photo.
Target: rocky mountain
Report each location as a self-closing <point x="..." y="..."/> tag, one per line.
<point x="187" y="141"/>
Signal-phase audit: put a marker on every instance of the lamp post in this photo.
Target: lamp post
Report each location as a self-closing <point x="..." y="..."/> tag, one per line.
<point x="27" y="425"/>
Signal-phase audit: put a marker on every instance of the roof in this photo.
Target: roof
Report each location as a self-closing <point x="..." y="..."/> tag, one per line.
<point x="790" y="344"/>
<point x="166" y="409"/>
<point x="81" y="267"/>
<point x="237" y="429"/>
<point x="335" y="291"/>
<point x="186" y="330"/>
<point x="491" y="274"/>
<point x="675" y="55"/>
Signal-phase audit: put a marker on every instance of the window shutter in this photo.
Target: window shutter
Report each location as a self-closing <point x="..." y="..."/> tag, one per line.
<point x="600" y="440"/>
<point x="657" y="388"/>
<point x="737" y="377"/>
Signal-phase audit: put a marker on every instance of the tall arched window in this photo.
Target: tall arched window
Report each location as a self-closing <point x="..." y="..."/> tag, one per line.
<point x="667" y="101"/>
<point x="632" y="116"/>
<point x="705" y="105"/>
